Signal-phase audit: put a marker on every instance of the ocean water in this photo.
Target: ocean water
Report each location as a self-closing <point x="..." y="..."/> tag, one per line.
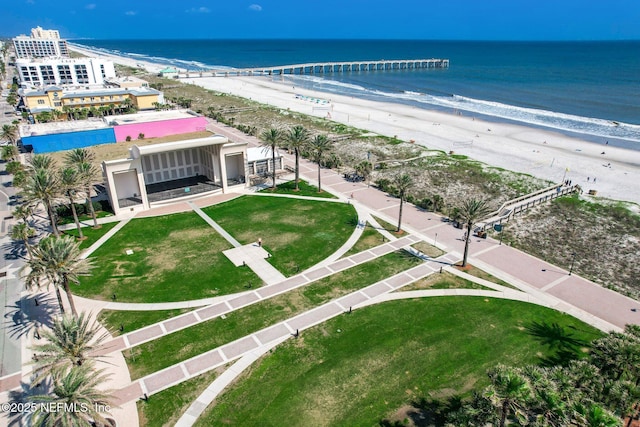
<point x="591" y="88"/>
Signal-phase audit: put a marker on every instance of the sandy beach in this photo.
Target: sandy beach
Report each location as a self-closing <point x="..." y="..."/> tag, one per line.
<point x="612" y="171"/>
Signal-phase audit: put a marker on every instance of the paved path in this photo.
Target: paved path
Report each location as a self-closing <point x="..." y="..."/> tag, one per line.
<point x="245" y="299"/>
<point x="229" y="352"/>
<point x="541" y="282"/>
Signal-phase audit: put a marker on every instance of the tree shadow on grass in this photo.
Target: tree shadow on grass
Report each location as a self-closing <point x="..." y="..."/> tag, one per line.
<point x="558" y="339"/>
<point x="427" y="413"/>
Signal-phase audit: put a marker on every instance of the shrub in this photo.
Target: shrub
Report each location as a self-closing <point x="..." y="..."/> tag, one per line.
<point x="141" y="135"/>
<point x="128" y="138"/>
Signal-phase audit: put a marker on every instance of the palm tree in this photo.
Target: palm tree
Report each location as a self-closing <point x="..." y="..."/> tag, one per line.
<point x="364" y="169"/>
<point x="402" y="182"/>
<point x="82" y="159"/>
<point x="23" y="212"/>
<point x="271" y="138"/>
<point x="509" y="391"/>
<point x="469" y="213"/>
<point x="70" y="342"/>
<point x="43" y="186"/>
<point x="593" y="415"/>
<point x="77" y="388"/>
<point x="41" y="161"/>
<point x="10" y="153"/>
<point x="297" y="138"/>
<point x="70" y="182"/>
<point x="9" y="133"/>
<point x="318" y="147"/>
<point x="22" y="232"/>
<point x="57" y="260"/>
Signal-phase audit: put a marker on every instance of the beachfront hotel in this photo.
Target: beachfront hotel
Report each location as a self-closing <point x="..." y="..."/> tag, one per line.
<point x="56" y="98"/>
<point x="41" y="72"/>
<point x="41" y="44"/>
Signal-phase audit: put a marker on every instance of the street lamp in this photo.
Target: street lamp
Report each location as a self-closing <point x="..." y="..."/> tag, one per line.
<point x="435" y="240"/>
<point x="573" y="260"/>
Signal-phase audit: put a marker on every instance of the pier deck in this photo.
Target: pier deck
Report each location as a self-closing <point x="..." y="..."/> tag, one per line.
<point x="322" y="68"/>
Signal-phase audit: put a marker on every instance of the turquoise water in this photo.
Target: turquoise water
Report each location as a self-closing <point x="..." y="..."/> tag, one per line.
<point x="591" y="88"/>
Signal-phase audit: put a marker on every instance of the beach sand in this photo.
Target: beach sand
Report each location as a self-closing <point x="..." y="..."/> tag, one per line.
<point x="612" y="171"/>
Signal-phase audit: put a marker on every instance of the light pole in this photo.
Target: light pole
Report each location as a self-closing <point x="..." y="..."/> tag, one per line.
<point x="573" y="260"/>
<point x="435" y="241"/>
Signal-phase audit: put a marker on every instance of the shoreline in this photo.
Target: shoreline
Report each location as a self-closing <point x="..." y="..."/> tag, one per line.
<point x="541" y="152"/>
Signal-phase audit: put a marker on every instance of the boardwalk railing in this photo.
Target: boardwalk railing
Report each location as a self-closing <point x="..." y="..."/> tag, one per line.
<point x="322" y="68"/>
<point x="522" y="203"/>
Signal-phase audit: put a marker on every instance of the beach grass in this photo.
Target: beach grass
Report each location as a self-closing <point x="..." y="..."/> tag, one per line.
<point x="359" y="369"/>
<point x="174" y="348"/>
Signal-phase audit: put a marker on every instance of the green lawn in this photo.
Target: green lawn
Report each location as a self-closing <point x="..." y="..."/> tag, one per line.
<point x="175" y="258"/>
<point x="304" y="189"/>
<point x="174" y="348"/>
<point x="370" y="238"/>
<point x="444" y="280"/>
<point x="358" y="369"/>
<point x="91" y="235"/>
<point x="132" y="320"/>
<point x="166" y="407"/>
<point x="297" y="233"/>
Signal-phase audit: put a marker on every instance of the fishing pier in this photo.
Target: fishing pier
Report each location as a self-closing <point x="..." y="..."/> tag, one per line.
<point x="322" y="68"/>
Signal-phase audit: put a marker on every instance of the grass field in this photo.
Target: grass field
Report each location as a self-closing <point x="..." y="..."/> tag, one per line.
<point x="361" y="368"/>
<point x="166" y="407"/>
<point x="91" y="235"/>
<point x="370" y="238"/>
<point x="304" y="189"/>
<point x="297" y="233"/>
<point x="168" y="350"/>
<point x="175" y="258"/>
<point x="132" y="320"/>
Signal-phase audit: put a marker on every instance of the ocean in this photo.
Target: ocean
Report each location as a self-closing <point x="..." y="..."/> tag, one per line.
<point x="589" y="88"/>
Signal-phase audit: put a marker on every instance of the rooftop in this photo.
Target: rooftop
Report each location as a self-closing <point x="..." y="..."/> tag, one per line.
<point x="61" y="127"/>
<point x="149" y="116"/>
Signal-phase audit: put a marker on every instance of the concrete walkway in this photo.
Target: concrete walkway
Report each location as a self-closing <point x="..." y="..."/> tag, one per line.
<point x="220" y="356"/>
<point x="245" y="299"/>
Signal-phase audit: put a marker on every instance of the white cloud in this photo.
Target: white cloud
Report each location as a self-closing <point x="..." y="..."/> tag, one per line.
<point x="131" y="13"/>
<point x="255" y="7"/>
<point x="90" y="6"/>
<point x="200" y="9"/>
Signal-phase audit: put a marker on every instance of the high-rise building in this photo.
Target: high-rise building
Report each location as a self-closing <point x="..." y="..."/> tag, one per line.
<point x="41" y="44"/>
<point x="42" y="72"/>
<point x="39" y="33"/>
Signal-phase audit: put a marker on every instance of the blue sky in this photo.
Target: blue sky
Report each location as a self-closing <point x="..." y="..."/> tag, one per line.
<point x="373" y="19"/>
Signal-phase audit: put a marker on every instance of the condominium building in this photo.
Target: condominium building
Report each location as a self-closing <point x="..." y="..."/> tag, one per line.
<point x="44" y="72"/>
<point x="41" y="44"/>
<point x="39" y="33"/>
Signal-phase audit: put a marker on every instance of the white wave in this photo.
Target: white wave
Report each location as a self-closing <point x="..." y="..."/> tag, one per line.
<point x="324" y="82"/>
